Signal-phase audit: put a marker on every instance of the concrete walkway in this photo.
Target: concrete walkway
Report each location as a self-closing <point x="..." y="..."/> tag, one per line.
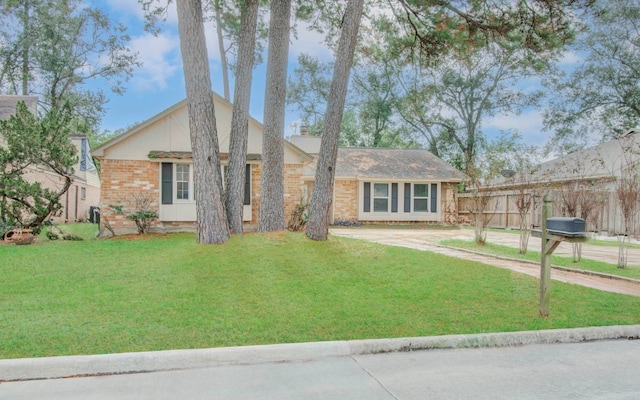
<point x="428" y="240"/>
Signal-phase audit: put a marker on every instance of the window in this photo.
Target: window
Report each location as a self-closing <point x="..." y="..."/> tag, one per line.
<point x="182" y="181"/>
<point x="420" y="197"/>
<point x="380" y="197"/>
<point x="83" y="193"/>
<point x="247" y="182"/>
<point x="400" y="197"/>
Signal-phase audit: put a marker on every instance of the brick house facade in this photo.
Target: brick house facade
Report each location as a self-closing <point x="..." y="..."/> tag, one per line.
<point x="154" y="158"/>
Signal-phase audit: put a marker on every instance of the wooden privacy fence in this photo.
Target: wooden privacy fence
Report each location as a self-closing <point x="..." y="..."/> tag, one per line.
<point x="501" y="212"/>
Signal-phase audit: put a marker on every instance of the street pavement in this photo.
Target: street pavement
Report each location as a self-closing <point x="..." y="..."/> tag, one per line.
<point x="605" y="369"/>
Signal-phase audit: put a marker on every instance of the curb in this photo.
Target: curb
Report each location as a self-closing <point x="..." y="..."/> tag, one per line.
<point x="128" y="363"/>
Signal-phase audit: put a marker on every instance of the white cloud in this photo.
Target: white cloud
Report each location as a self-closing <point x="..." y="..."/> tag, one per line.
<point x="211" y="36"/>
<point x="160" y="57"/>
<point x="309" y="42"/>
<point x="133" y="8"/>
<point x="529" y="124"/>
<point x="126" y="7"/>
<point x="569" y="58"/>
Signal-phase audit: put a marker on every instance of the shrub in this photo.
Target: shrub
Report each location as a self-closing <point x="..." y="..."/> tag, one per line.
<point x="71" y="236"/>
<point x="141" y="214"/>
<point x="143" y="219"/>
<point x="346" y="222"/>
<point x="299" y="217"/>
<point x="5" y="227"/>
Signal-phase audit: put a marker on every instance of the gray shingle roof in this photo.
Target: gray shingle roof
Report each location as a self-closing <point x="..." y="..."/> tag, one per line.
<point x="376" y="163"/>
<point x="606" y="160"/>
<point x="8" y="104"/>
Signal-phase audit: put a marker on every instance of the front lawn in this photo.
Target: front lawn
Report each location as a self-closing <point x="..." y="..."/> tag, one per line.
<point x="632" y="271"/>
<point x="167" y="292"/>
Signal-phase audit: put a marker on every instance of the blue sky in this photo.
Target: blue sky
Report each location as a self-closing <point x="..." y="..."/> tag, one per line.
<point x="159" y="82"/>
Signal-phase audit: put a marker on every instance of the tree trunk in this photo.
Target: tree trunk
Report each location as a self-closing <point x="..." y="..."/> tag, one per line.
<point x="272" y="181"/>
<point x="223" y="54"/>
<point x="525" y="226"/>
<point x="25" y="48"/>
<point x="234" y="196"/>
<point x="322" y="196"/>
<point x="211" y="219"/>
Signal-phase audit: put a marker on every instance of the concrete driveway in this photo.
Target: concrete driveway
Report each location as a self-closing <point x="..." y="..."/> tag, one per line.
<point x="428" y="240"/>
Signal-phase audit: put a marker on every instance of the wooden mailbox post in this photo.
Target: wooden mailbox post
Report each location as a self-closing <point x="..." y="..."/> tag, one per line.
<point x="550" y="242"/>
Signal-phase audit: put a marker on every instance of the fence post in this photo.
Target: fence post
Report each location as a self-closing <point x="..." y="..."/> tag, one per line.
<point x="506" y="210"/>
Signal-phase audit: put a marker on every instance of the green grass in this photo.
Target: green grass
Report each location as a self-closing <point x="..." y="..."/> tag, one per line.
<point x="632" y="271"/>
<point x="609" y="242"/>
<point x="155" y="293"/>
<point x="86" y="231"/>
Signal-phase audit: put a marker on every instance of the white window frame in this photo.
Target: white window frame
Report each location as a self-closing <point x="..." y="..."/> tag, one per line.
<point x="190" y="197"/>
<point x="414" y="198"/>
<point x="374" y="197"/>
<point x="400" y="215"/>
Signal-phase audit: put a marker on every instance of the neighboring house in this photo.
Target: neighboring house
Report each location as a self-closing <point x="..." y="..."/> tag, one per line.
<point x="84" y="192"/>
<point x="596" y="169"/>
<point x="155" y="158"/>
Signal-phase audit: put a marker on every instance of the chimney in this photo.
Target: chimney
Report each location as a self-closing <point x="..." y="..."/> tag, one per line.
<point x="304" y="130"/>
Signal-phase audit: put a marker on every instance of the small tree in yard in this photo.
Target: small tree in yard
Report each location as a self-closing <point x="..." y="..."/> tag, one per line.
<point x="31" y="143"/>
<point x="504" y="156"/>
<point x="525" y="197"/>
<point x="482" y="191"/>
<point x="140" y="211"/>
<point x="516" y="163"/>
<point x="582" y="195"/>
<point x="627" y="193"/>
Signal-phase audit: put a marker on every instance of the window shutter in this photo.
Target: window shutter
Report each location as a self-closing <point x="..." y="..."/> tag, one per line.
<point x="434" y="197"/>
<point x="167" y="183"/>
<point x="407" y="197"/>
<point x="367" y="196"/>
<point x="394" y="197"/>
<point x="247" y="185"/>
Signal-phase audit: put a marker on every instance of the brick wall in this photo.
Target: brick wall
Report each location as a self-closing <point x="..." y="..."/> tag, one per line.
<point x="449" y="203"/>
<point x="293" y="189"/>
<point x="256" y="175"/>
<point x="121" y="179"/>
<point x="345" y="204"/>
